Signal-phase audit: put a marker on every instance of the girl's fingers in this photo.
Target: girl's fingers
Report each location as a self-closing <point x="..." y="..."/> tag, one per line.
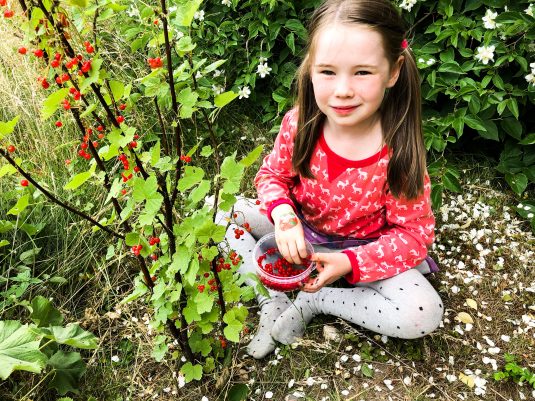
<point x="294" y="253"/>
<point x="302" y="248"/>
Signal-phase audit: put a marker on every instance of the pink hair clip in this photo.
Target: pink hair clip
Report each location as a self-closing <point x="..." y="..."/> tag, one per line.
<point x="404" y="44"/>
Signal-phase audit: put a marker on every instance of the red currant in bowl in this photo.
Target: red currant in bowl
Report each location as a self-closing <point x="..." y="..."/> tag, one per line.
<point x="274" y="271"/>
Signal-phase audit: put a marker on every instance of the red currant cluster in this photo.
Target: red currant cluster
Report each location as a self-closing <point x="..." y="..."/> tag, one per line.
<point x="185" y="159"/>
<point x="235" y="260"/>
<point x="56" y="62"/>
<point x="155" y="62"/>
<point x="8" y="13"/>
<point x="280" y="268"/>
<point x="238" y="232"/>
<point x="154" y="240"/>
<point x="88" y="47"/>
<point x="136" y="249"/>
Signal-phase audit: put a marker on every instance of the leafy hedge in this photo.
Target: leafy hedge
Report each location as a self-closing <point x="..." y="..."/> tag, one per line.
<point x="475" y="58"/>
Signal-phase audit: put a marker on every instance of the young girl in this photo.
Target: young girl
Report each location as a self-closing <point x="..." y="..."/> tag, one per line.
<point x="348" y="173"/>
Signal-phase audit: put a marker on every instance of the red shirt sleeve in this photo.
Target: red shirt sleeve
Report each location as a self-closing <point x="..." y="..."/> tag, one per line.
<point x="403" y="243"/>
<point x="275" y="178"/>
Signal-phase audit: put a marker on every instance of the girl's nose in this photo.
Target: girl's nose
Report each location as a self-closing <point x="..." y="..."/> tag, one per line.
<point x="343" y="88"/>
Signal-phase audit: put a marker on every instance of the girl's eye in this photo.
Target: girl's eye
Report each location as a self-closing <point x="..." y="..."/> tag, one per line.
<point x="326" y="72"/>
<point x="362" y="73"/>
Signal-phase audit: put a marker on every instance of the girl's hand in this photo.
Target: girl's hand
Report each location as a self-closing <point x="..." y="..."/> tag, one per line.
<point x="331" y="266"/>
<point x="289" y="234"/>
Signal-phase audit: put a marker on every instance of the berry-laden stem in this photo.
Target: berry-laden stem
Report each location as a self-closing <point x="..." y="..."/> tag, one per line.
<point x="56" y="200"/>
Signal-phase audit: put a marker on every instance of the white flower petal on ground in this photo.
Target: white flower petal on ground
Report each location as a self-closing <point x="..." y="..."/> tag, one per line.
<point x="268" y="395"/>
<point x="204" y="398"/>
<point x="115" y="358"/>
<point x="291" y="383"/>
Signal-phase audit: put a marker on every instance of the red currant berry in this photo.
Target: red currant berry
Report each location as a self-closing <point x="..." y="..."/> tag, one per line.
<point x="24" y="183"/>
<point x="22" y="50"/>
<point x="11" y="148"/>
<point x="59" y="124"/>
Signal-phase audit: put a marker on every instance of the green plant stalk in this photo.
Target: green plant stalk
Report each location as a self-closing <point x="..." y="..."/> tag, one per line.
<point x="50" y="196"/>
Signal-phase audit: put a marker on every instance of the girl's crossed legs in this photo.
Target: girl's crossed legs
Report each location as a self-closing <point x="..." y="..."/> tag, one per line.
<point x="403" y="306"/>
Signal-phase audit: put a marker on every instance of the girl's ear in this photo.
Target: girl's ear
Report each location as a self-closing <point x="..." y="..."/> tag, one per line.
<point x="394" y="72"/>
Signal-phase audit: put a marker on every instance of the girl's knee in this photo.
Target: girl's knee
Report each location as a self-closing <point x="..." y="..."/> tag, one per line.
<point x="419" y="319"/>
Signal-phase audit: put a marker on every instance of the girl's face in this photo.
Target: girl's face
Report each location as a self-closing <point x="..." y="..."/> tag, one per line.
<point x="350" y="74"/>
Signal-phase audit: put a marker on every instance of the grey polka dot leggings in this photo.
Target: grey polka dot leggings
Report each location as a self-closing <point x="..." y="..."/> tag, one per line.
<point x="403" y="306"/>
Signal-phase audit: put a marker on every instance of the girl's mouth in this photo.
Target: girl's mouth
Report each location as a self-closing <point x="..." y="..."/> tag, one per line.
<point x="343" y="109"/>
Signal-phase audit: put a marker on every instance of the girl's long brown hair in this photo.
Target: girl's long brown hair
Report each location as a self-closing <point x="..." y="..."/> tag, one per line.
<point x="401" y="106"/>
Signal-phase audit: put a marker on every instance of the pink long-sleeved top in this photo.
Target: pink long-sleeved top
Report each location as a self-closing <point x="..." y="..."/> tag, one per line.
<point x="350" y="199"/>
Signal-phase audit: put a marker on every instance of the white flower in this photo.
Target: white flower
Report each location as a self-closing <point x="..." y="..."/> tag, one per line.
<point x="263" y="70"/>
<point x="227" y="3"/>
<point x="407" y="4"/>
<point x="217" y="89"/>
<point x="531" y="79"/>
<point x="217" y="73"/>
<point x="244" y="92"/>
<point x="262" y="60"/>
<point x="115" y="358"/>
<point x="529" y="11"/>
<point x="199" y="15"/>
<point x="485" y="54"/>
<point x="488" y="19"/>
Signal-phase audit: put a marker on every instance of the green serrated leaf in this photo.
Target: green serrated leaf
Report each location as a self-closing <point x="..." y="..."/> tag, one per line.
<point x="192" y="176"/>
<point x="252" y="156"/>
<point x="225" y="98"/>
<point x="78" y="179"/>
<point x="19" y="349"/>
<point x="204" y="302"/>
<point x="366" y="370"/>
<point x="155" y="154"/>
<point x="517" y="182"/>
<point x="52" y="102"/>
<point x="7" y="128"/>
<point x="68" y="369"/>
<point x="88" y="110"/>
<point x="199" y="344"/>
<point x="191" y="372"/>
<point x="72" y="335"/>
<point x="21" y="204"/>
<point x="117" y="89"/>
<point x="185" y="12"/>
<point x="44" y="313"/>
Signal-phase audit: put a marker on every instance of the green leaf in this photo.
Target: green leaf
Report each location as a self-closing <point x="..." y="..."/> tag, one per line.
<point x="52" y="102"/>
<point x="117" y="89"/>
<point x="206" y="151"/>
<point x="88" y="110"/>
<point x="80" y="178"/>
<point x="72" y="335"/>
<point x="147" y="191"/>
<point x="7" y="128"/>
<point x="7" y="169"/>
<point x="187" y="97"/>
<point x="451" y="182"/>
<point x="232" y="172"/>
<point x="4" y="242"/>
<point x="225" y="98"/>
<point x="513" y="127"/>
<point x="160" y="348"/>
<point x="155" y="154"/>
<point x="296" y="26"/>
<point x="290" y="41"/>
<point x="210" y="230"/>
<point x="451" y="67"/>
<point x="234" y="320"/>
<point x="200" y="192"/>
<point x="19" y="349"/>
<point x="529" y="139"/>
<point x="517" y="182"/>
<point x="208" y="254"/>
<point x="191" y="372"/>
<point x="78" y="3"/>
<point x="512" y="105"/>
<point x="204" y="302"/>
<point x="185" y="11"/>
<point x="192" y="176"/>
<point x="199" y="344"/>
<point x="68" y="369"/>
<point x="366" y="370"/>
<point x="474" y="122"/>
<point x="252" y="156"/>
<point x="213" y="66"/>
<point x="93" y="76"/>
<point x="19" y="207"/>
<point x="185" y="45"/>
<point x="44" y="313"/>
<point x="238" y="392"/>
